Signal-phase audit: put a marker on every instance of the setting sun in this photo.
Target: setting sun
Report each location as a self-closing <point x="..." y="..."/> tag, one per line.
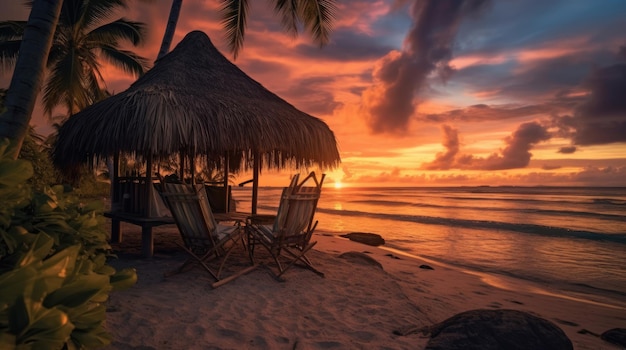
<point x="338" y="184"/>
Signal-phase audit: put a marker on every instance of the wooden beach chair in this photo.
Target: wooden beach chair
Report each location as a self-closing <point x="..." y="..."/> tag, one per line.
<point x="289" y="238"/>
<point x="203" y="238"/>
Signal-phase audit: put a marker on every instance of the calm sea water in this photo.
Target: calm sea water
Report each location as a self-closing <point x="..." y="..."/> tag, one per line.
<point x="571" y="239"/>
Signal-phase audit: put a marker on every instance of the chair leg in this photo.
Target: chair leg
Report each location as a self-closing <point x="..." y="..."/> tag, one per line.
<point x="194" y="259"/>
<point x="300" y="256"/>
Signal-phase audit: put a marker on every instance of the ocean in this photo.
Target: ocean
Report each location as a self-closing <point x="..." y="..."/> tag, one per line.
<point x="568" y="239"/>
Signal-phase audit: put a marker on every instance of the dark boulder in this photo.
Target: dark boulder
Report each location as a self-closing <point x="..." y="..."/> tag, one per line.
<point x="372" y="239"/>
<point x="616" y="336"/>
<point x="361" y="258"/>
<point x="495" y="330"/>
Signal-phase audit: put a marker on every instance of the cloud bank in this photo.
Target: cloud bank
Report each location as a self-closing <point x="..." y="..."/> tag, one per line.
<point x="390" y="102"/>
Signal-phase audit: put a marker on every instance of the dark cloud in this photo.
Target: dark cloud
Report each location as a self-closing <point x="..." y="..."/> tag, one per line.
<point x="517" y="152"/>
<point x="602" y="118"/>
<point x="538" y="80"/>
<point x="312" y="95"/>
<point x="348" y="45"/>
<point x="515" y="155"/>
<point x="550" y="167"/>
<point x="398" y="76"/>
<point x="568" y="150"/>
<point x="482" y="112"/>
<point x="621" y="54"/>
<point x="446" y="160"/>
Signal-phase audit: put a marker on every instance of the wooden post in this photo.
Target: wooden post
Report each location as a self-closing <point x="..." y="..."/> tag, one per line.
<point x="255" y="181"/>
<point x="147" y="195"/>
<point x="226" y="171"/>
<point x="116" y="229"/>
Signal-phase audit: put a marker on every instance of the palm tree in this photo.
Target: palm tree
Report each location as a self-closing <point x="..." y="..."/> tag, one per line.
<point x="29" y="72"/>
<point x="81" y="39"/>
<point x="316" y="16"/>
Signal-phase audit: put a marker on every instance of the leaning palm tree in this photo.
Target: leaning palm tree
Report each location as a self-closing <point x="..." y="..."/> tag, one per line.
<point x="82" y="38"/>
<point x="316" y="16"/>
<point x="29" y="71"/>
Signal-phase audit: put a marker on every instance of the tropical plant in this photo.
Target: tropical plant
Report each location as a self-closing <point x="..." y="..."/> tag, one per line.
<point x="37" y="152"/>
<point x="316" y="16"/>
<point x="82" y="37"/>
<point x="54" y="276"/>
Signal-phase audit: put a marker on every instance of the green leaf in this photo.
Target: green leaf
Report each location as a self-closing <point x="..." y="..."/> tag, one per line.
<point x="49" y="328"/>
<point x="78" y="292"/>
<point x="124" y="279"/>
<point x="14" y="172"/>
<point x="39" y="249"/>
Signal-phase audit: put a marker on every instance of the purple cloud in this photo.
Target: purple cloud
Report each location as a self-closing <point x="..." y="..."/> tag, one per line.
<point x="399" y="76"/>
<point x="515" y="155"/>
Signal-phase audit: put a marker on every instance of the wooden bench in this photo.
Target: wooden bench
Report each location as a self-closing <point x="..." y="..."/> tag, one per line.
<point x="147" y="239"/>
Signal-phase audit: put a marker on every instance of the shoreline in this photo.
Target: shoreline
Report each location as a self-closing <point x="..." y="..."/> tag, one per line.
<point x="512" y="283"/>
<point x="356" y="305"/>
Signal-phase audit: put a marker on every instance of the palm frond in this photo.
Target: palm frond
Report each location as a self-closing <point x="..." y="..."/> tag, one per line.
<point x="8" y="55"/>
<point x="318" y="16"/>
<point x="11" y="30"/>
<point x="10" y="40"/>
<point x="288" y="12"/>
<point x="126" y="60"/>
<point x="71" y="13"/>
<point x="234" y="14"/>
<point x="65" y="86"/>
<point x="122" y="29"/>
<point x="98" y="10"/>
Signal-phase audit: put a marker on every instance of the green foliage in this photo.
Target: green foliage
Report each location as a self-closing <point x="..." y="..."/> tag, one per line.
<point x="54" y="277"/>
<point x="37" y="153"/>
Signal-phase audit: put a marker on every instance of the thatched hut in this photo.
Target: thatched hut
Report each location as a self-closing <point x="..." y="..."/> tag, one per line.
<point x="195" y="102"/>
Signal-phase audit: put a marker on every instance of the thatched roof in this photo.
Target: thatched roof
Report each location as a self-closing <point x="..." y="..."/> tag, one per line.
<point x="196" y="101"/>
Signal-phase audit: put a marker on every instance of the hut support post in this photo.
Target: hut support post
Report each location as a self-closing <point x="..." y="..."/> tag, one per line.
<point x="226" y="170"/>
<point x="255" y="181"/>
<point x="147" y="195"/>
<point x="116" y="229"/>
<point x="147" y="241"/>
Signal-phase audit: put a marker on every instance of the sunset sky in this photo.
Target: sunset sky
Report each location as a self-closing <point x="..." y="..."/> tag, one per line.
<point x="437" y="93"/>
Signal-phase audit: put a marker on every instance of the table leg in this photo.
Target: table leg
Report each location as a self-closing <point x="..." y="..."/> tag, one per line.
<point x="147" y="242"/>
<point x="116" y="231"/>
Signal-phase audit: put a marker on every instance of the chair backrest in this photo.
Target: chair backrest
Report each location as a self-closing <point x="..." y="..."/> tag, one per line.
<point x="217" y="198"/>
<point x="297" y="208"/>
<point x="192" y="213"/>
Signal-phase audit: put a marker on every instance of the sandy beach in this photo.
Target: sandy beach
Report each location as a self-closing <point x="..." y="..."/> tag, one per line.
<point x="357" y="305"/>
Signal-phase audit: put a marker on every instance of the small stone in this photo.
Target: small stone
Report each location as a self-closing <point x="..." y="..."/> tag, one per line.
<point x="616" y="336"/>
<point x="361" y="258"/>
<point x="426" y="267"/>
<point x="372" y="239"/>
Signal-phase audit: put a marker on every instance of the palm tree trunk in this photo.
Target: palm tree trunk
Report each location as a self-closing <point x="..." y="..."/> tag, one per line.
<point x="29" y="72"/>
<point x="171" y="28"/>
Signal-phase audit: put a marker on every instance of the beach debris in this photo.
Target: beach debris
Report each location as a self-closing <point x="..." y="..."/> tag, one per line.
<point x="372" y="239"/>
<point x="497" y="329"/>
<point x="361" y="258"/>
<point x="616" y="336"/>
<point x="426" y="267"/>
<point x="393" y="256"/>
<point x="586" y="331"/>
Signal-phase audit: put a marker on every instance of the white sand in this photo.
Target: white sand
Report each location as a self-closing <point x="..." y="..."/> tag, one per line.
<point x="356" y="306"/>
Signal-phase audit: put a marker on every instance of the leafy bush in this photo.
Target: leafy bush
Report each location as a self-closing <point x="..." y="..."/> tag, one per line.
<point x="37" y="153"/>
<point x="54" y="277"/>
